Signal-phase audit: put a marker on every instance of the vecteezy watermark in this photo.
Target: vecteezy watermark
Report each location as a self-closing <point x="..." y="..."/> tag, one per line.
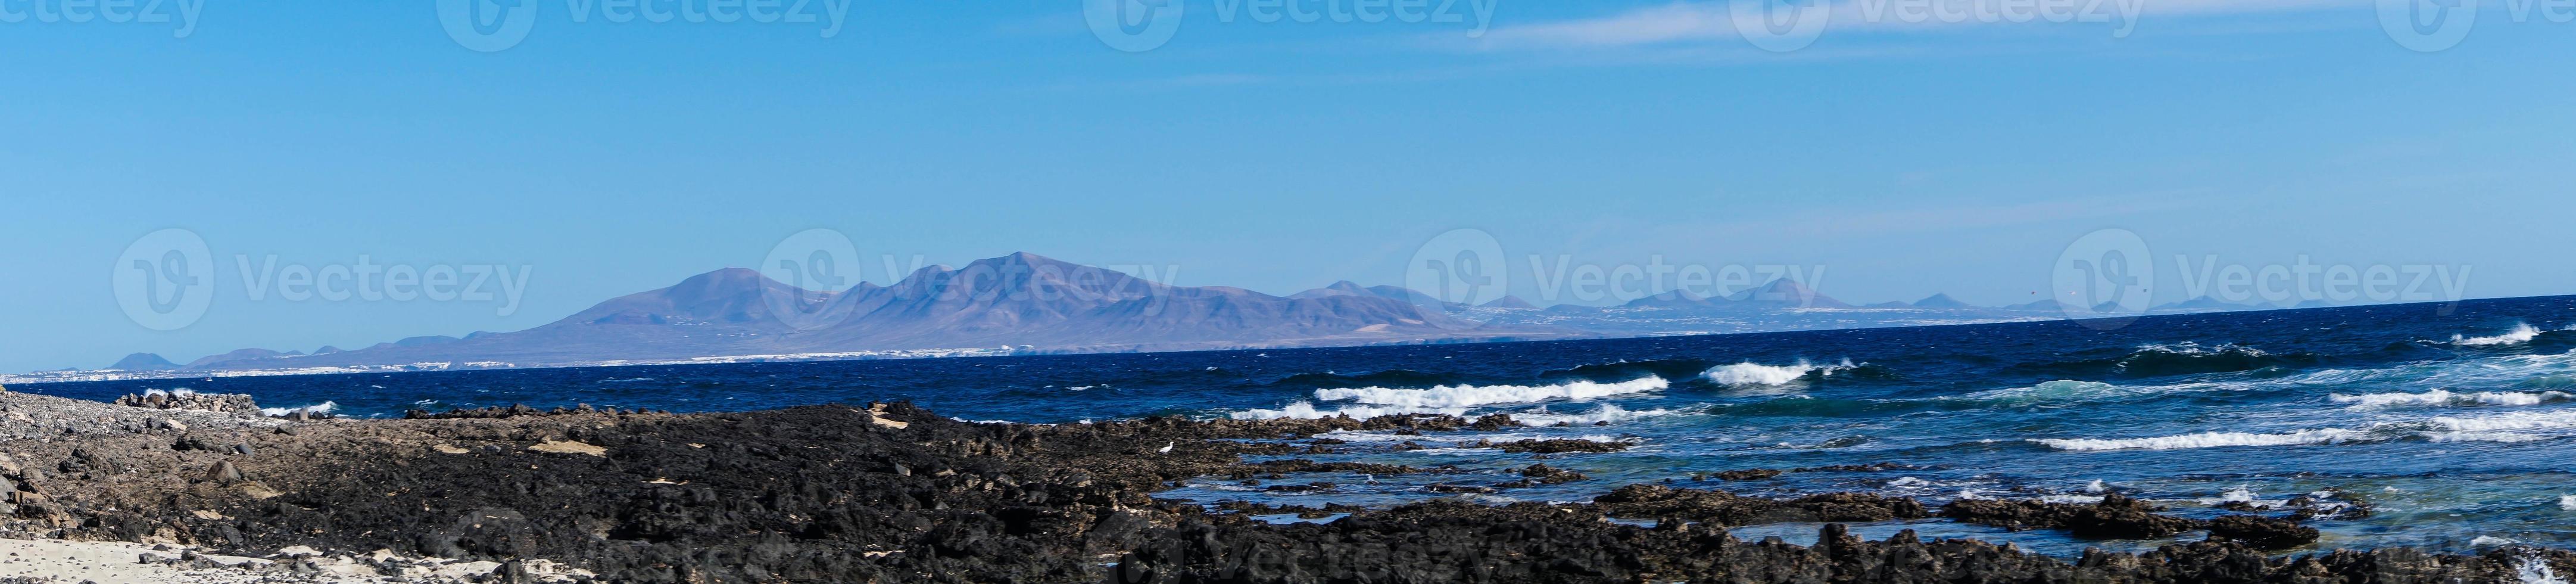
<point x="1560" y="278"/>
<point x="1782" y="26"/>
<point x="2108" y="278"/>
<point x="181" y="14"/>
<point x="2429" y="25"/>
<point x="2304" y="280"/>
<point x="1463" y="270"/>
<point x="1137" y="26"/>
<point x="365" y="280"/>
<point x="1462" y="266"/>
<point x="816" y="265"/>
<point x="165" y="281"/>
<point x="498" y="25"/>
<point x="2436" y="25"/>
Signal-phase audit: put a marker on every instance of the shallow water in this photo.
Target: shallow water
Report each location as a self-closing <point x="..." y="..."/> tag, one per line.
<point x="2450" y="421"/>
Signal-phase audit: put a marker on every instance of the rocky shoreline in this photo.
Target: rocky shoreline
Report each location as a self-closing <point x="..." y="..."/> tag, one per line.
<point x="894" y="493"/>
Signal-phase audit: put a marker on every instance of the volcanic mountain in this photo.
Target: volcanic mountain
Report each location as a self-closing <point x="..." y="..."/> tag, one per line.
<point x="1021" y="301"/>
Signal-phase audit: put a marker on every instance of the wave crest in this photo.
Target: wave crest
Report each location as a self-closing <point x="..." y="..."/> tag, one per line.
<point x="2513" y="427"/>
<point x="1751" y="374"/>
<point x="1468" y="396"/>
<point x="1452" y="400"/>
<point x="2442" y="397"/>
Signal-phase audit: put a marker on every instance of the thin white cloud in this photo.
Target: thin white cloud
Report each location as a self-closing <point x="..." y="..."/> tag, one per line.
<point x="1689" y="21"/>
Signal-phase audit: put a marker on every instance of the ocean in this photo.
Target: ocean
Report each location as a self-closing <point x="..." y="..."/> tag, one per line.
<point x="2451" y="421"/>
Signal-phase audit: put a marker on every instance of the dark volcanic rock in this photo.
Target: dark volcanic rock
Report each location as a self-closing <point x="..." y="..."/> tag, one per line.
<point x="2262" y="532"/>
<point x="210" y="402"/>
<point x="2116" y="517"/>
<point x="892" y="493"/>
<point x="1750" y="474"/>
<point x="1559" y="446"/>
<point x="1720" y="508"/>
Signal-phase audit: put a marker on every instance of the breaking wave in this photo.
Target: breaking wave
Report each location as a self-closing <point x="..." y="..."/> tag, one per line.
<point x="1468" y="396"/>
<point x="321" y="408"/>
<point x="1750" y="374"/>
<point x="1449" y="399"/>
<point x="2514" y="427"/>
<point x="2521" y="333"/>
<point x="1610" y="413"/>
<point x="2441" y="397"/>
<point x="2170" y="359"/>
<point x="2207" y="440"/>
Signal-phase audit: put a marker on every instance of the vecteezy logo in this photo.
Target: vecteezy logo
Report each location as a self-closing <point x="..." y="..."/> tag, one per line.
<point x="165" y="280"/>
<point x="2427" y="26"/>
<point x="1461" y="267"/>
<point x="2103" y="279"/>
<point x="487" y="25"/>
<point x="1133" y="26"/>
<point x="1780" y="26"/>
<point x="816" y="265"/>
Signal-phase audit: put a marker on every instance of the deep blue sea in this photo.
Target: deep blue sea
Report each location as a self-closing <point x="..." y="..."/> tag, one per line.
<point x="2457" y="422"/>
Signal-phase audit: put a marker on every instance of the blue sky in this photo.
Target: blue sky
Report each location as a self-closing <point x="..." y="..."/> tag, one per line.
<point x="606" y="158"/>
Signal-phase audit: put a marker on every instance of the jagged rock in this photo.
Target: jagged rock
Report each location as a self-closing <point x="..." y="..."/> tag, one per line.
<point x="184" y="400"/>
<point x="224" y="473"/>
<point x="1721" y="508"/>
<point x="1556" y="446"/>
<point x="2262" y="532"/>
<point x="1750" y="474"/>
<point x="2116" y="517"/>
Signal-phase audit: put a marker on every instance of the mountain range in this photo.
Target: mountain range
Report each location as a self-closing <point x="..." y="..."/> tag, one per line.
<point x="1022" y="303"/>
<point x="1025" y="303"/>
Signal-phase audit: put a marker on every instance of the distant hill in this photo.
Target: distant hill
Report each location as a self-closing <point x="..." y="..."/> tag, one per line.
<point x="1020" y="301"/>
<point x="1672" y="299"/>
<point x="1786" y="293"/>
<point x="143" y="362"/>
<point x="1025" y="303"/>
<point x="239" y="355"/>
<point x="2202" y="304"/>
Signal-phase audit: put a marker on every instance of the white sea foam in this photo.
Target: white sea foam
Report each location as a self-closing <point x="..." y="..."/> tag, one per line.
<point x="1611" y="413"/>
<point x="2240" y="494"/>
<point x="2521" y="333"/>
<point x="1308" y="411"/>
<point x="2441" y="397"/>
<point x="2060" y="390"/>
<point x="2567" y="502"/>
<point x="321" y="408"/>
<point x="2208" y="440"/>
<point x="1455" y="400"/>
<point x="1449" y="397"/>
<point x="2553" y="420"/>
<point x="1756" y="374"/>
<point x="2097" y="486"/>
<point x="2536" y="571"/>
<point x="2523" y="426"/>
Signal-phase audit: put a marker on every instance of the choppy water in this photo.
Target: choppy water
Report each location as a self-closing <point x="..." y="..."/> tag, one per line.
<point x="2456" y="424"/>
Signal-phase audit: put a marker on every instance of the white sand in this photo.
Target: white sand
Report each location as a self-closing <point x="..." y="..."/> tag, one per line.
<point x="109" y="563"/>
<point x="120" y="562"/>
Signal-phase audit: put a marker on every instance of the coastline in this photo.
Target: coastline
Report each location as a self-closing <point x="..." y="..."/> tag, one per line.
<point x="894" y="493"/>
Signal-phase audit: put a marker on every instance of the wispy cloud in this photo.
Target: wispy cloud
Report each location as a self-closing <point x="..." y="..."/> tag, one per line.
<point x="1686" y="22"/>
